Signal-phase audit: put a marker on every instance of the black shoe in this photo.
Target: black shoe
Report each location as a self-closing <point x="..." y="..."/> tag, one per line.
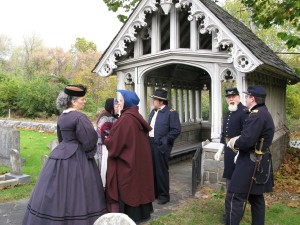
<point x="162" y="202"/>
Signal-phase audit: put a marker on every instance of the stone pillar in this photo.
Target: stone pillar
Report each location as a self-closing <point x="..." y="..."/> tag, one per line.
<point x="212" y="170"/>
<point x="192" y="105"/>
<point x="180" y="106"/>
<point x="216" y="105"/>
<point x="155" y="34"/>
<point x="194" y="35"/>
<point x="141" y="92"/>
<point x="175" y="99"/>
<point x="198" y="105"/>
<point x="170" y="95"/>
<point x="138" y="47"/>
<point x="174" y="28"/>
<point x="186" y="105"/>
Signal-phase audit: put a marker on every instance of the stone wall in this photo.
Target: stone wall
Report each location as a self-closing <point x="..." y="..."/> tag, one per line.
<point x="47" y="127"/>
<point x="193" y="133"/>
<point x="278" y="147"/>
<point x="212" y="170"/>
<point x="9" y="139"/>
<point x="191" y="136"/>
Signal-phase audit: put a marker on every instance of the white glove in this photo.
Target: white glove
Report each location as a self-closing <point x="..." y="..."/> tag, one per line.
<point x="235" y="157"/>
<point x="219" y="152"/>
<point x="231" y="143"/>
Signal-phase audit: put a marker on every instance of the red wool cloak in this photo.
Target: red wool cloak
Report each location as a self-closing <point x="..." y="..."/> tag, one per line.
<point x="129" y="166"/>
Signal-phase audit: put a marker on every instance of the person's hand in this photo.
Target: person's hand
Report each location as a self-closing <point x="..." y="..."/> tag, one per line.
<point x="235" y="157"/>
<point x="217" y="156"/>
<point x="231" y="143"/>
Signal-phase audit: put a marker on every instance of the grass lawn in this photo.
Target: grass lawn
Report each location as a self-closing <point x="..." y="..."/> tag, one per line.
<point x="282" y="206"/>
<point x="33" y="145"/>
<point x="210" y="211"/>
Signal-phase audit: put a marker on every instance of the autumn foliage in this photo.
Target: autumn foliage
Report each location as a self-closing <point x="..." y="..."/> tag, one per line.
<point x="287" y="178"/>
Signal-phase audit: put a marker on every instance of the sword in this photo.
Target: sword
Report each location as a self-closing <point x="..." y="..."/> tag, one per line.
<point x="258" y="153"/>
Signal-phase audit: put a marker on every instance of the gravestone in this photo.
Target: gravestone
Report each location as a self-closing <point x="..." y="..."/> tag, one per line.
<point x="51" y="146"/>
<point x="15" y="177"/>
<point x="9" y="139"/>
<point x="15" y="162"/>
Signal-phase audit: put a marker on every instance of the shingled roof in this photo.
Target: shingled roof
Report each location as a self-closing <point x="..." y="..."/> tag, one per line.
<point x="258" y="48"/>
<point x="249" y="39"/>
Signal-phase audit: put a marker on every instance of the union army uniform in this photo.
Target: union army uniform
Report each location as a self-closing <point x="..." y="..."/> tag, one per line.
<point x="232" y="126"/>
<point x="167" y="128"/>
<point x="257" y="134"/>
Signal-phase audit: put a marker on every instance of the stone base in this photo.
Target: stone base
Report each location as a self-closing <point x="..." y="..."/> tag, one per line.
<point x="4" y="182"/>
<point x="10" y="180"/>
<point x="212" y="170"/>
<point x="22" y="179"/>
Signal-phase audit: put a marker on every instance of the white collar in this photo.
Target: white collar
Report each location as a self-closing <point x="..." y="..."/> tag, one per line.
<point x="68" y="110"/>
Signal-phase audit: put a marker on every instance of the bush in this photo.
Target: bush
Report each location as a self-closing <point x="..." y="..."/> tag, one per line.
<point x="9" y="88"/>
<point x="38" y="97"/>
<point x="292" y="101"/>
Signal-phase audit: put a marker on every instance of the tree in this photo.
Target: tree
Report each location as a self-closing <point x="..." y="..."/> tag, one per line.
<point x="5" y="50"/>
<point x="82" y="45"/>
<point x="268" y="35"/>
<point x="32" y="44"/>
<point x="60" y="61"/>
<point x="9" y="88"/>
<point x="119" y="5"/>
<point x="5" y="46"/>
<point x="278" y="12"/>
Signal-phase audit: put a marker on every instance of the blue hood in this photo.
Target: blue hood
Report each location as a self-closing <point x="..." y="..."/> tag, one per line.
<point x="130" y="98"/>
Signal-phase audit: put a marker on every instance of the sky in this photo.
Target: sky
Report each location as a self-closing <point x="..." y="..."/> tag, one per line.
<point x="59" y="22"/>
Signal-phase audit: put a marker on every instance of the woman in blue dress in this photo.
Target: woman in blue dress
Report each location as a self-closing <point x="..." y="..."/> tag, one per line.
<point x="69" y="190"/>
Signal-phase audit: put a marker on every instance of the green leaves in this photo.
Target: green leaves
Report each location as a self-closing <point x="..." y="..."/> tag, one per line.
<point x="281" y="13"/>
<point x="82" y="45"/>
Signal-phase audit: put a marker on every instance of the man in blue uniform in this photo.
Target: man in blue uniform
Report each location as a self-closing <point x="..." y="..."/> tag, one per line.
<point x="166" y="128"/>
<point x="232" y="127"/>
<point x="253" y="174"/>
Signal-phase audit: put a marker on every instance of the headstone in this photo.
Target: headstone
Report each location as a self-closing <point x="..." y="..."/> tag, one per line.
<point x="9" y="139"/>
<point x="44" y="159"/>
<point x="53" y="144"/>
<point x="15" y="162"/>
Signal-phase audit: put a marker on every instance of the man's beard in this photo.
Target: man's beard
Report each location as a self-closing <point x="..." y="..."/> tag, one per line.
<point x="232" y="108"/>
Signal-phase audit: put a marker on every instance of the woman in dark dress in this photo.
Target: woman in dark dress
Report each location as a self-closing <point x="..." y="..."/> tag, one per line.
<point x="69" y="190"/>
<point x="103" y="125"/>
<point x="129" y="184"/>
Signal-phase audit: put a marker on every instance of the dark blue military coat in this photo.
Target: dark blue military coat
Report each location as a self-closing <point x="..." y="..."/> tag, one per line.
<point x="167" y="128"/>
<point x="232" y="127"/>
<point x="258" y="125"/>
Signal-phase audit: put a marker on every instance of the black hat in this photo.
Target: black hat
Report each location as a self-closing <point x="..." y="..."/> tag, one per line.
<point x="75" y="90"/>
<point x="231" y="91"/>
<point x="256" y="91"/>
<point x="160" y="94"/>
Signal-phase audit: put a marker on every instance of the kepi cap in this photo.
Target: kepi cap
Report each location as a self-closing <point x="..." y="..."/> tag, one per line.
<point x="256" y="91"/>
<point x="231" y="91"/>
<point x="160" y="94"/>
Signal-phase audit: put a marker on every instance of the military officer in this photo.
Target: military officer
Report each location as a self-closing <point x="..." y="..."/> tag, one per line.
<point x="253" y="174"/>
<point x="232" y="127"/>
<point x="166" y="128"/>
